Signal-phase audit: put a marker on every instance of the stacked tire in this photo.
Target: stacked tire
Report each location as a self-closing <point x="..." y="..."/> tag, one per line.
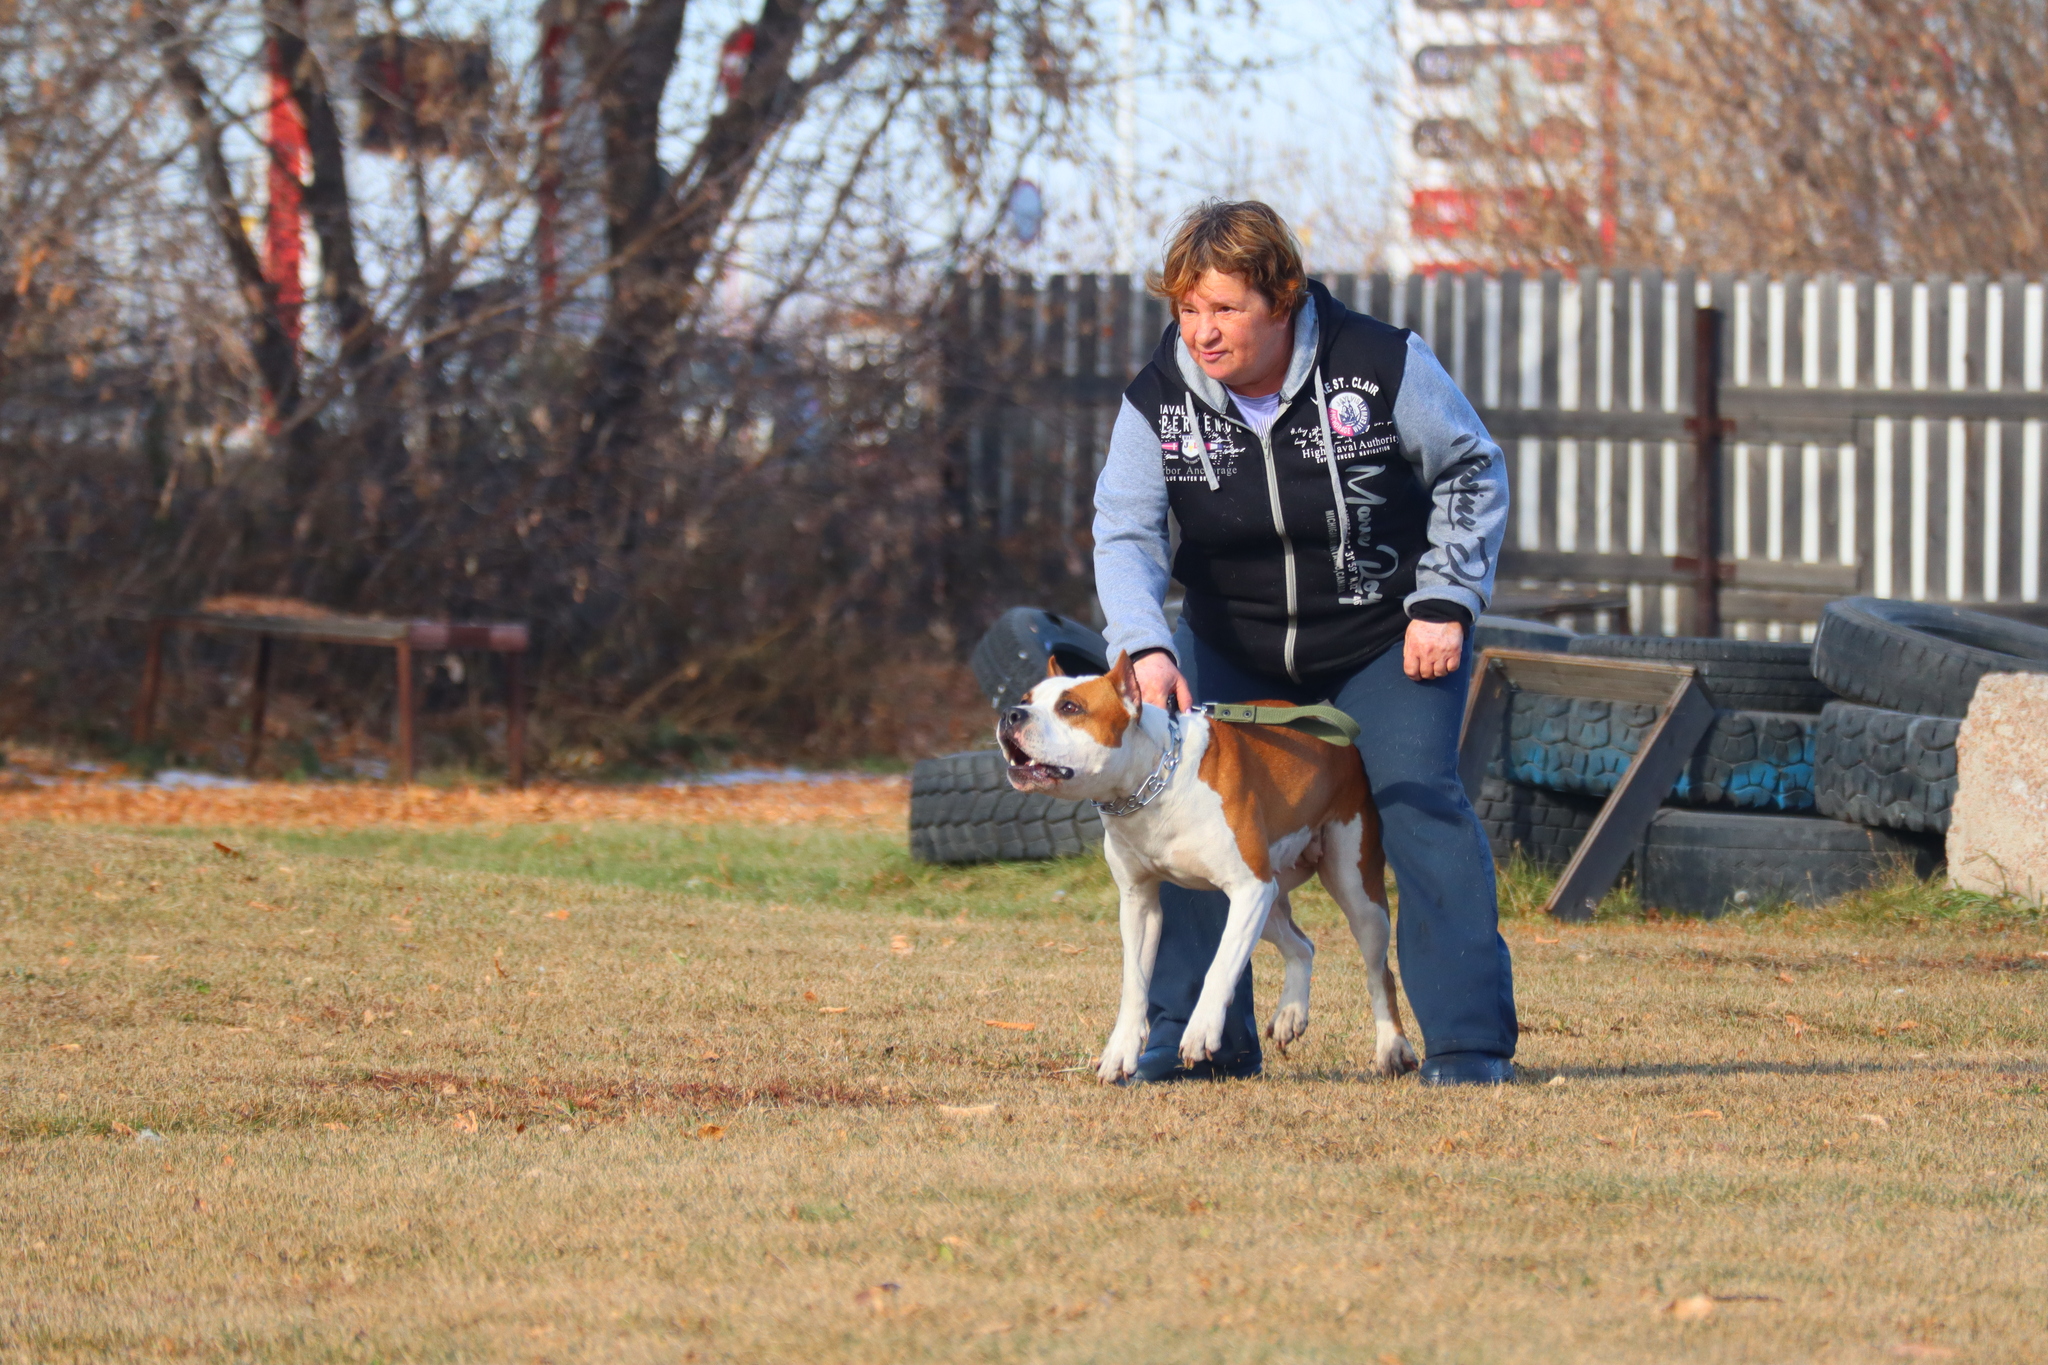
<point x="1826" y="767"/>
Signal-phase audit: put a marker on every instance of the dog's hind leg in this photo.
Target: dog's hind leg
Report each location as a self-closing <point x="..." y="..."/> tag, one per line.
<point x="1298" y="954"/>
<point x="1355" y="872"/>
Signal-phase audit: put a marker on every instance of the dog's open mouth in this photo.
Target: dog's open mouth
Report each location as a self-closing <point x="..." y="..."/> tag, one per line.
<point x="1025" y="770"/>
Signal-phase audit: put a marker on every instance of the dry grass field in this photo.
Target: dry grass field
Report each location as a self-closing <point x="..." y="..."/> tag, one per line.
<point x="623" y="1092"/>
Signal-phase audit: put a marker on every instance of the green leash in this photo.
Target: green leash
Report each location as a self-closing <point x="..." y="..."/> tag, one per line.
<point x="1326" y="723"/>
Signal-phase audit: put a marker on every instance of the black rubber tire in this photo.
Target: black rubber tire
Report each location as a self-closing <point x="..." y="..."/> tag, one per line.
<point x="1738" y="675"/>
<point x="1748" y="760"/>
<point x="1885" y="768"/>
<point x="1010" y="658"/>
<point x="1509" y="632"/>
<point x="1701" y="862"/>
<point x="1546" y="827"/>
<point x="1918" y="657"/>
<point x="964" y="810"/>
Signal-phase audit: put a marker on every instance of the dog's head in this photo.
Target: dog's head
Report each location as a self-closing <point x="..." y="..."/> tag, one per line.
<point x="1067" y="734"/>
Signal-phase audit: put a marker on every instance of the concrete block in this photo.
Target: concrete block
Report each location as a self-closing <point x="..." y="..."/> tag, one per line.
<point x="1998" y="836"/>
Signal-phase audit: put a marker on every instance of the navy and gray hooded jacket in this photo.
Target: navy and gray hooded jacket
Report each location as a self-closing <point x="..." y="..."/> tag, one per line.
<point x="1376" y="497"/>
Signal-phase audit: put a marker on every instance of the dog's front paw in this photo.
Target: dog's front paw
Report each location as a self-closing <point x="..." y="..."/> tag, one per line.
<point x="1202" y="1040"/>
<point x="1393" y="1056"/>
<point x="1290" y="1021"/>
<point x="1120" y="1057"/>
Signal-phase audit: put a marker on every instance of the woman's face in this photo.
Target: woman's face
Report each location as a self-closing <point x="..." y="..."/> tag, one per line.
<point x="1235" y="335"/>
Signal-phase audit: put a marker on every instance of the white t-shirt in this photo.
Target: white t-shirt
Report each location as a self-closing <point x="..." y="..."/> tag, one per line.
<point x="1258" y="413"/>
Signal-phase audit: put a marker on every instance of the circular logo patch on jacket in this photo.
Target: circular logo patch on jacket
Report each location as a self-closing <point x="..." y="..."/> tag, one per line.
<point x="1349" y="415"/>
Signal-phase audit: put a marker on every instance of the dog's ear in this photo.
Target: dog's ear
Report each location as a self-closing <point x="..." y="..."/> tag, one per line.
<point x="1126" y="678"/>
<point x="1052" y="667"/>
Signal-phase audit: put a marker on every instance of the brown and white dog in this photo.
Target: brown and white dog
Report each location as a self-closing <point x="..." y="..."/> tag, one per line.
<point x="1247" y="810"/>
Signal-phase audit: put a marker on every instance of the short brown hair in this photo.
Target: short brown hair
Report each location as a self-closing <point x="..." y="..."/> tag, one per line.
<point x="1242" y="237"/>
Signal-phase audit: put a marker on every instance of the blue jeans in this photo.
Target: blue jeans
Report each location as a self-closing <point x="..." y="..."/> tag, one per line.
<point x="1454" y="963"/>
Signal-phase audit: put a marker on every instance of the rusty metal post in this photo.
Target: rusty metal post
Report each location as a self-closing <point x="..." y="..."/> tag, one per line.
<point x="152" y="678"/>
<point x="1707" y="430"/>
<point x="259" y="697"/>
<point x="405" y="715"/>
<point x="515" y="715"/>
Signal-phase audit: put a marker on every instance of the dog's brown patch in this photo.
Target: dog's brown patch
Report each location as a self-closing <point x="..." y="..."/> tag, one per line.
<point x="1275" y="781"/>
<point x="1103" y="716"/>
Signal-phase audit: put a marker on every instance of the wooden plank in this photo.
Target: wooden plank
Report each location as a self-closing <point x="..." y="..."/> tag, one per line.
<point x="1345" y="287"/>
<point x="1088" y="327"/>
<point x="1408" y="304"/>
<point x="1510" y="360"/>
<point x="1486" y="714"/>
<point x="1551" y="341"/>
<point x="1650" y="324"/>
<point x="1460" y="331"/>
<point x="1379" y="295"/>
<point x="2013" y="292"/>
<point x="1790" y="575"/>
<point x="1866" y="332"/>
<point x="1973" y="338"/>
<point x="1124" y="361"/>
<point x="1618" y="829"/>
<point x="1573" y="675"/>
<point x="333" y="630"/>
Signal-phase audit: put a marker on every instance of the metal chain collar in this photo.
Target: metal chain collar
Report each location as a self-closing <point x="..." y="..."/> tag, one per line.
<point x="1148" y="790"/>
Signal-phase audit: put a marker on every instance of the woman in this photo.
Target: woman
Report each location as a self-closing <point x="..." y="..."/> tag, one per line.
<point x="1340" y="509"/>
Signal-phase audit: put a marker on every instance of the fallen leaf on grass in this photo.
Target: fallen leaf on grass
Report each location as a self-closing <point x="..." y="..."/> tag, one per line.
<point x="1538" y="938"/>
<point x="225" y="851"/>
<point x="266" y="907"/>
<point x="67" y="1047"/>
<point x="1603" y="1141"/>
<point x="900" y="945"/>
<point x="810" y="995"/>
<point x="1920" y="1350"/>
<point x="558" y="914"/>
<point x="335" y="1127"/>
<point x="465" y="1122"/>
<point x="1557" y="1080"/>
<point x="710" y="1132"/>
<point x="966" y="1111"/>
<point x="1906" y="1027"/>
<point x="1704" y="1114"/>
<point x="835" y="1009"/>
<point x="121" y="1130"/>
<point x="1009" y="1024"/>
<point x="1798" y="1025"/>
<point x="1690" y="1309"/>
<point x="1875" y="1120"/>
<point x="875" y="1298"/>
<point x="1788" y="978"/>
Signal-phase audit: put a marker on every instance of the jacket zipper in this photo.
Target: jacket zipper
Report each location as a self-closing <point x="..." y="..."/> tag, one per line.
<point x="1279" y="526"/>
<point x="1287" y="548"/>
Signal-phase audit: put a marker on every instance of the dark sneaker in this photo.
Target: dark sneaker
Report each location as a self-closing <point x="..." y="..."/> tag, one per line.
<point x="1157" y="1065"/>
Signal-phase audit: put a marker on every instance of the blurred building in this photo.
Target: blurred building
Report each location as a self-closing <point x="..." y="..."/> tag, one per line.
<point x="1497" y="124"/>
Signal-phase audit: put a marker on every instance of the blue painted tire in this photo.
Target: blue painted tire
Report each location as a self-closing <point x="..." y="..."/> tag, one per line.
<point x="1748" y="760"/>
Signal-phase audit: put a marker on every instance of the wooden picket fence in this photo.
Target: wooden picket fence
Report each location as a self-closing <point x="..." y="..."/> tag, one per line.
<point x="1886" y="434"/>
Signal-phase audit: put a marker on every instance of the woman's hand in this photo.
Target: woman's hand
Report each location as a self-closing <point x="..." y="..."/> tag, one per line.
<point x="1159" y="678"/>
<point x="1433" y="649"/>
